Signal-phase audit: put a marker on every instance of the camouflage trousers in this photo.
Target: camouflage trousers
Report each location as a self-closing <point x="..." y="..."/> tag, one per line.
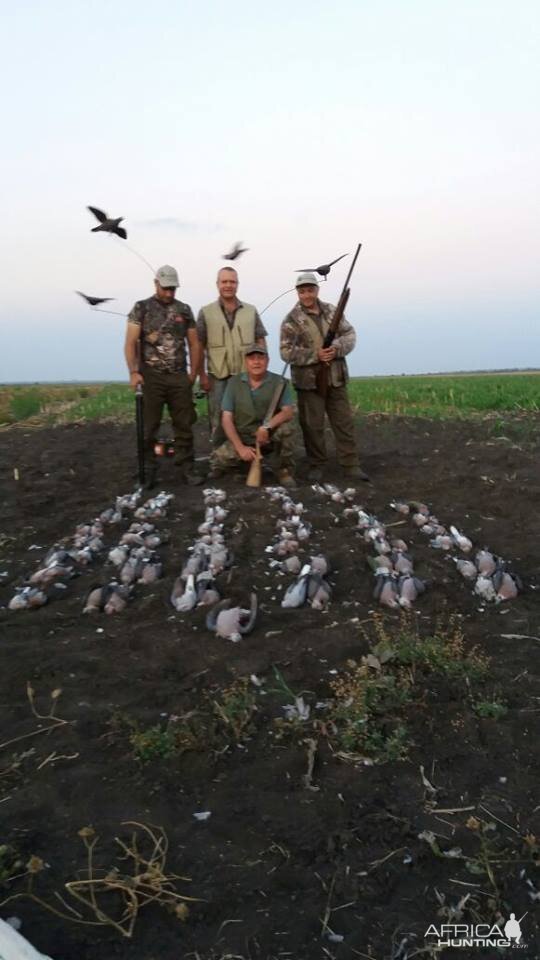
<point x="279" y="453"/>
<point x="312" y="409"/>
<point x="174" y="391"/>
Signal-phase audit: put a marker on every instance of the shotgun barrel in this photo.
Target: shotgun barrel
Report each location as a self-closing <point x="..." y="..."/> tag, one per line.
<point x="139" y="417"/>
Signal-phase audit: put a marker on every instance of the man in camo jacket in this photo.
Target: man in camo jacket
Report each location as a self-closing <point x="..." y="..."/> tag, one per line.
<point x="301" y="344"/>
<point x="158" y="331"/>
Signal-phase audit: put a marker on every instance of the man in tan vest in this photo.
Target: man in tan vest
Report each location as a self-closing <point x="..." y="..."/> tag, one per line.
<point x="225" y="328"/>
<point x="301" y="344"/>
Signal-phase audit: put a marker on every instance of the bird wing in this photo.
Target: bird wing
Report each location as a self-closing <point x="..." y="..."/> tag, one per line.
<point x="306" y="270"/>
<point x="83" y="295"/>
<point x="247" y="626"/>
<point x="99" y="215"/>
<point x="121" y="232"/>
<point x="336" y="260"/>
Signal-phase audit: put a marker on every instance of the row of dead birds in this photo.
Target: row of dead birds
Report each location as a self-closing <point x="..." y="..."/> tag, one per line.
<point x="135" y="557"/>
<point x="492" y="580"/>
<point x="197" y="585"/>
<point x="65" y="559"/>
<point x="293" y="532"/>
<point x="396" y="584"/>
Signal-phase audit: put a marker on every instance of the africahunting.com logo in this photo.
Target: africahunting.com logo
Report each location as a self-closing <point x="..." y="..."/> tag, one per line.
<point x="478" y="934"/>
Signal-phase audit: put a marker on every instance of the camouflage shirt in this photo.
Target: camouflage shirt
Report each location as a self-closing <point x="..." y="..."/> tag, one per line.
<point x="164" y="330"/>
<point x="299" y="347"/>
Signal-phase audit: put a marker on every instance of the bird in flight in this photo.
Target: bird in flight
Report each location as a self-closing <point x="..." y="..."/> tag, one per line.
<point x="94" y="301"/>
<point x="108" y="224"/>
<point x="236" y="251"/>
<point x="324" y="269"/>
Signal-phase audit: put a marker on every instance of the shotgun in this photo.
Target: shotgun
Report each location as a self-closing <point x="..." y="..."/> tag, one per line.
<point x="323" y="369"/>
<point x="139" y="417"/>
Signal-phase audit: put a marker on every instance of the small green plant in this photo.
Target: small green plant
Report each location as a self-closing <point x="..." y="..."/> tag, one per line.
<point x="490" y="709"/>
<point x="361" y="718"/>
<point x="154" y="743"/>
<point x="236" y="708"/>
<point x="443" y="652"/>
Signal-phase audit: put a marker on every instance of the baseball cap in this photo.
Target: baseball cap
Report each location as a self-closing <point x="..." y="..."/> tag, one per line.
<point x="167" y="277"/>
<point x="255" y="348"/>
<point x="306" y="279"/>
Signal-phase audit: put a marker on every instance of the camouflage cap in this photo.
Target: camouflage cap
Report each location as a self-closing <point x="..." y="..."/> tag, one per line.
<point x="255" y="348"/>
<point x="167" y="276"/>
<point x="306" y="280"/>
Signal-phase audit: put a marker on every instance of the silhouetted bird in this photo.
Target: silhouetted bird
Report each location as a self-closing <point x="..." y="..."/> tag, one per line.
<point x="236" y="251"/>
<point x="107" y="224"/>
<point x="324" y="269"/>
<point x="94" y="301"/>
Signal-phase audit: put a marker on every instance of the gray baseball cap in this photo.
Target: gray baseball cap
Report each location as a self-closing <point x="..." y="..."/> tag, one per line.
<point x="306" y="280"/>
<point x="255" y="348"/>
<point x="167" y="277"/>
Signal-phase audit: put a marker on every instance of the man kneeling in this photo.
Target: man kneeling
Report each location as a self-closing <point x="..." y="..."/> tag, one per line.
<point x="244" y="407"/>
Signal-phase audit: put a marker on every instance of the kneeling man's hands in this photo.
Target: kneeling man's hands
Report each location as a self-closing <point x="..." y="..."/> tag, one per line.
<point x="247" y="453"/>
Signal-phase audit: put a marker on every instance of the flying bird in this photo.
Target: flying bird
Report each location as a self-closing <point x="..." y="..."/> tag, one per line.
<point x="324" y="269"/>
<point x="236" y="251"/>
<point x="108" y="224"/>
<point x="94" y="301"/>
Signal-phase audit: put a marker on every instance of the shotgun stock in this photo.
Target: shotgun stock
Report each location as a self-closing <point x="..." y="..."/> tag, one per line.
<point x="139" y="417"/>
<point x="254" y="477"/>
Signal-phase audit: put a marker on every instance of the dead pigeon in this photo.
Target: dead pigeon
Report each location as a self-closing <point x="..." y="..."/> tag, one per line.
<point x="95" y="600"/>
<point x="118" y="555"/>
<point x="380" y="564"/>
<point x="419" y="519"/>
<point x="107" y="224"/>
<point x="94" y="301"/>
<point x="297" y="593"/>
<point x="319" y="564"/>
<point x="419" y="507"/>
<point x="184" y="594"/>
<point x="442" y="542"/>
<point x="386" y="591"/>
<point x="409" y="589"/>
<point x="288" y="565"/>
<point x="232" y="623"/>
<point x="50" y="574"/>
<point x="462" y="541"/>
<point x="116" y="598"/>
<point x="466" y="568"/>
<point x="484" y="588"/>
<point x="400" y="507"/>
<point x="236" y="251"/>
<point x="28" y="598"/>
<point x="485" y="562"/>
<point x="506" y="585"/>
<point x="324" y="269"/>
<point x="151" y="569"/>
<point x="319" y="591"/>
<point x="402" y="562"/>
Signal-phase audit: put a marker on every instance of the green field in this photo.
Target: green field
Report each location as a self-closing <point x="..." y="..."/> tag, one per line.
<point x="458" y="395"/>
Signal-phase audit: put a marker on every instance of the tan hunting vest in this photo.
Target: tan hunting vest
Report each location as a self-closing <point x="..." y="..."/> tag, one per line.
<point x="225" y="347"/>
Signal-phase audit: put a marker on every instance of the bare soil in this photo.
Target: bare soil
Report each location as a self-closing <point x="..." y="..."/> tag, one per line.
<point x="279" y="870"/>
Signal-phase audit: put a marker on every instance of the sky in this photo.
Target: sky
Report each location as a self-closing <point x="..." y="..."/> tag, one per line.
<point x="302" y="129"/>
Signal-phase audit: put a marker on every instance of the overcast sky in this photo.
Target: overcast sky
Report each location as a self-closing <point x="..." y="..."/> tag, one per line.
<point x="301" y="129"/>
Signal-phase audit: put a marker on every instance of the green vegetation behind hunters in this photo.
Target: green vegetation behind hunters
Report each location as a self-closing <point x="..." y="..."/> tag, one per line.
<point x="428" y="396"/>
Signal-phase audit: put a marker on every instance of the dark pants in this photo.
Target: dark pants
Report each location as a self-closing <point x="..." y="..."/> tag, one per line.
<point x="174" y="391"/>
<point x="311" y="412"/>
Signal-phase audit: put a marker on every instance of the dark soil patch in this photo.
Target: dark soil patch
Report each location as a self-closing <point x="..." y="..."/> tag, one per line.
<point x="274" y="856"/>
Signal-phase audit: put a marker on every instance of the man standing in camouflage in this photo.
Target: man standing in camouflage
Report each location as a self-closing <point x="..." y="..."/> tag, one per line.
<point x="155" y="350"/>
<point x="301" y="344"/>
<point x="225" y="328"/>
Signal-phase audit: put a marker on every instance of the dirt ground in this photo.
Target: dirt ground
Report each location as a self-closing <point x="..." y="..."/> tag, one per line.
<point x="284" y="866"/>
